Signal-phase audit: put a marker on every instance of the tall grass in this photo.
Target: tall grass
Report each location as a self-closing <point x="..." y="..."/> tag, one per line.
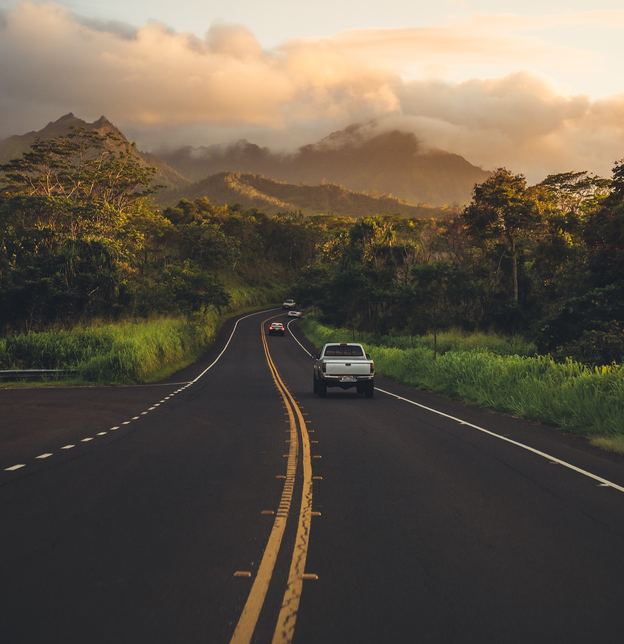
<point x="452" y="340"/>
<point x="129" y="351"/>
<point x="579" y="398"/>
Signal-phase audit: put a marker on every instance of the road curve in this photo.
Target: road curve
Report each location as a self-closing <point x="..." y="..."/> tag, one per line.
<point x="398" y="522"/>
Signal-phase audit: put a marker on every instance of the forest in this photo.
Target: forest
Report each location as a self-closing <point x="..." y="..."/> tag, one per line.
<point x="81" y="241"/>
<point x="543" y="261"/>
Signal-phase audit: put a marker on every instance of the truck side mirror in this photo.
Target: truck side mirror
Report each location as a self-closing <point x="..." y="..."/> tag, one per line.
<point x="368" y="356"/>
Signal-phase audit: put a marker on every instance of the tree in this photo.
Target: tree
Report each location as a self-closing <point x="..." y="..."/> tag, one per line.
<point x="502" y="215"/>
<point x="604" y="235"/>
<point x="83" y="167"/>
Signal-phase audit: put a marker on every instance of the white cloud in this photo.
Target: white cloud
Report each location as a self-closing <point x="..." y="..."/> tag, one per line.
<point x="171" y="87"/>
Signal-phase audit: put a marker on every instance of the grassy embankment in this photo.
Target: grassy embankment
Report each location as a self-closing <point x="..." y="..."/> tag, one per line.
<point x="128" y="351"/>
<point x="502" y="374"/>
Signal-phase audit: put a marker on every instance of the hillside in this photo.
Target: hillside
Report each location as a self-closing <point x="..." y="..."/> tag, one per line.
<point x="270" y="196"/>
<point x="14" y="146"/>
<point x="361" y="157"/>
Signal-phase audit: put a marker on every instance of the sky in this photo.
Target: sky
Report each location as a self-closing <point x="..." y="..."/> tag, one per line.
<point x="534" y="86"/>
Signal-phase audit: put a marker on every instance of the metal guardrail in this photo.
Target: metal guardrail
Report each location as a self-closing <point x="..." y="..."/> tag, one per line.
<point x="36" y="374"/>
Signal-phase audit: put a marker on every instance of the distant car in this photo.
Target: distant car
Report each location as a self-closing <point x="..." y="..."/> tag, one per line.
<point x="288" y="304"/>
<point x="295" y="314"/>
<point x="276" y="328"/>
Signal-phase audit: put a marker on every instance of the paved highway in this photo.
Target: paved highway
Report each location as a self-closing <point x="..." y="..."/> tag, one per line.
<point x="230" y="504"/>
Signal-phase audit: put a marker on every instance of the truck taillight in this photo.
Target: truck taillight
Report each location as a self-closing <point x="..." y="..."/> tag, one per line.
<point x="372" y="367"/>
<point x="323" y="367"/>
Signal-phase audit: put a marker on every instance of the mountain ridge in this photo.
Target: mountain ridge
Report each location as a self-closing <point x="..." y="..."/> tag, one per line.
<point x="272" y="197"/>
<point x="361" y="158"/>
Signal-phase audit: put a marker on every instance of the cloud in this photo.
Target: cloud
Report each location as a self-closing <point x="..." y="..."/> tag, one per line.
<point x="153" y="75"/>
<point x="166" y="87"/>
<point x="517" y="121"/>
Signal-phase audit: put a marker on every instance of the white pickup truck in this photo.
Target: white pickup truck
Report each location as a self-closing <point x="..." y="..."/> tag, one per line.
<point x="344" y="365"/>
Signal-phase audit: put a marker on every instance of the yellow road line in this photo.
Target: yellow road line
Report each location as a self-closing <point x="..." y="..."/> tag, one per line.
<point x="255" y="600"/>
<point x="287" y="618"/>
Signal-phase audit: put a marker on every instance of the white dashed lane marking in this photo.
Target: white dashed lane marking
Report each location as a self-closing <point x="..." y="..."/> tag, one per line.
<point x="185" y="385"/>
<point x="15" y="467"/>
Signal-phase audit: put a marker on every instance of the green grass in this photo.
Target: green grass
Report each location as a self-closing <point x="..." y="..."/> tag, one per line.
<point x="129" y="351"/>
<point x="578" y="398"/>
<point x="452" y="340"/>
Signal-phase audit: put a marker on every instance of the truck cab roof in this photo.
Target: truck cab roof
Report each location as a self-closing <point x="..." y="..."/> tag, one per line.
<point x="343" y="350"/>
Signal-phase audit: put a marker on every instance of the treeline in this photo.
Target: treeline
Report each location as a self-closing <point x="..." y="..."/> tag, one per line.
<point x="546" y="261"/>
<point x="81" y="239"/>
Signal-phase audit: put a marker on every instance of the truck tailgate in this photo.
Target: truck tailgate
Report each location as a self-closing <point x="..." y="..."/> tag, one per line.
<point x="342" y="367"/>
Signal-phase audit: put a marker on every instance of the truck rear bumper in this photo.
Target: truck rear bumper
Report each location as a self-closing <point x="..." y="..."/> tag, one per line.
<point x="338" y="381"/>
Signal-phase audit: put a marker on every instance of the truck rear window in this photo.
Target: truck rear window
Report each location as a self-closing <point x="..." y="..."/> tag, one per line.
<point x="343" y="351"/>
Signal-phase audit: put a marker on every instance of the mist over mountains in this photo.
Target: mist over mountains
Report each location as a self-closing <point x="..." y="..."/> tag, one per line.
<point x="359" y="158"/>
<point x="357" y="171"/>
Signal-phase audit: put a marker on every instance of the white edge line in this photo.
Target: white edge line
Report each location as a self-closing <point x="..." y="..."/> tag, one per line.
<point x="553" y="459"/>
<point x="545" y="455"/>
<point x="227" y="344"/>
<point x="296" y="340"/>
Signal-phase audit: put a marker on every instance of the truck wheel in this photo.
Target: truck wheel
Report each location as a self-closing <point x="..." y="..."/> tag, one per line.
<point x="322" y="389"/>
<point x="369" y="392"/>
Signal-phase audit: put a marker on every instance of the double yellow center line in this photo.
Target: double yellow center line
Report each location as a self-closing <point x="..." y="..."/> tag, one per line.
<point x="285" y="626"/>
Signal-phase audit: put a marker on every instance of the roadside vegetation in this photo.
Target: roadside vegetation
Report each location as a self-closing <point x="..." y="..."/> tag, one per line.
<point x="130" y="350"/>
<point x="579" y="398"/>
<point x="94" y="278"/>
<point x="450" y="340"/>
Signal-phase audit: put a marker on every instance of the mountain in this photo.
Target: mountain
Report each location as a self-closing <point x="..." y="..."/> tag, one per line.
<point x="270" y="196"/>
<point x="14" y="146"/>
<point x="359" y="170"/>
<point x="361" y="158"/>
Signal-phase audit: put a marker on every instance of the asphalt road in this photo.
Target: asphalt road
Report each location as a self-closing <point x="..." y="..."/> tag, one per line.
<point x="193" y="516"/>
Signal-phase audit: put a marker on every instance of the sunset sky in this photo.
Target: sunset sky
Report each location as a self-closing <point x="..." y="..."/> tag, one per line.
<point x="537" y="88"/>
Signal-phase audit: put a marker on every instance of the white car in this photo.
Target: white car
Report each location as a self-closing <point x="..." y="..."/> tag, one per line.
<point x="288" y="304"/>
<point x="295" y="314"/>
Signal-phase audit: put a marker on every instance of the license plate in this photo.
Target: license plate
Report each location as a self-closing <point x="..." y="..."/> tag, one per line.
<point x="347" y="379"/>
